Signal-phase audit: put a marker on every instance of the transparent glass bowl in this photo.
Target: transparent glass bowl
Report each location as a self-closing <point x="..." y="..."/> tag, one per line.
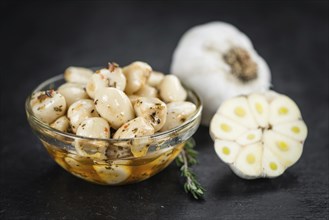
<point x="118" y="166"/>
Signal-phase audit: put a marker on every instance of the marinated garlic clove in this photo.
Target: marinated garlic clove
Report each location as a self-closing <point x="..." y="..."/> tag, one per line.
<point x="48" y="105"/>
<point x="171" y="89"/>
<point x="78" y="167"/>
<point x="155" y="78"/>
<point x="94" y="127"/>
<point x="137" y="75"/>
<point x="114" y="105"/>
<point x="268" y="150"/>
<point x="62" y="124"/>
<point x="97" y="81"/>
<point x="72" y="92"/>
<point x="79" y="111"/>
<point x="133" y="99"/>
<point x="178" y="113"/>
<point x="77" y="75"/>
<point x="153" y="110"/>
<point x="117" y="152"/>
<point x="147" y="91"/>
<point x="116" y="77"/>
<point x="137" y="127"/>
<point x="112" y="174"/>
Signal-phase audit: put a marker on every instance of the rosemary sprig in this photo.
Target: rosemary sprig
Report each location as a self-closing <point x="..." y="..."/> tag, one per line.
<point x="185" y="159"/>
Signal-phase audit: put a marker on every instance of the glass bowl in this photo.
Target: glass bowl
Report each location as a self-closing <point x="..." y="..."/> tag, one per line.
<point x="119" y="166"/>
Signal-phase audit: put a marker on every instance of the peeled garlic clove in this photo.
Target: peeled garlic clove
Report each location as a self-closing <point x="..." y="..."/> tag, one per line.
<point x="79" y="111"/>
<point x="137" y="74"/>
<point x="260" y="109"/>
<point x="48" y="105"/>
<point x="77" y="74"/>
<point x="227" y="151"/>
<point x="137" y="127"/>
<point x="265" y="151"/>
<point x="94" y="127"/>
<point x="116" y="152"/>
<point x="116" y="77"/>
<point x="238" y="110"/>
<point x="112" y="174"/>
<point x="248" y="163"/>
<point x="296" y="129"/>
<point x="147" y="91"/>
<point x="62" y="124"/>
<point x="224" y="128"/>
<point x="178" y="113"/>
<point x="287" y="150"/>
<point x="72" y="92"/>
<point x="97" y="81"/>
<point x="283" y="109"/>
<point x="218" y="61"/>
<point x="155" y="78"/>
<point x="153" y="110"/>
<point x="133" y="99"/>
<point x="114" y="105"/>
<point x="171" y="89"/>
<point x="78" y="167"/>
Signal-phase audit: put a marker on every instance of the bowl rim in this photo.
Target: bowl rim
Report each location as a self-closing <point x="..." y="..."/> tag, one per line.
<point x="160" y="135"/>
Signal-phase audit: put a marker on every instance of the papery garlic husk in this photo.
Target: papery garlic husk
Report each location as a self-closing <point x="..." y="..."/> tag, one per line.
<point x="259" y="135"/>
<point x="218" y="61"/>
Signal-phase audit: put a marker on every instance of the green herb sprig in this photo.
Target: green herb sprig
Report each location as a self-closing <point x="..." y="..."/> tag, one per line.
<point x="187" y="158"/>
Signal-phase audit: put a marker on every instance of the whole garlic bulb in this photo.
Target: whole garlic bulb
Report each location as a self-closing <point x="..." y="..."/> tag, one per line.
<point x="218" y="62"/>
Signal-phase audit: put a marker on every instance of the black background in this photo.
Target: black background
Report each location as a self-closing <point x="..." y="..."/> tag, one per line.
<point x="40" y="40"/>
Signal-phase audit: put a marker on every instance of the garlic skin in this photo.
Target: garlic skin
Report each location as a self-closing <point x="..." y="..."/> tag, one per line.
<point x="207" y="60"/>
<point x="259" y="135"/>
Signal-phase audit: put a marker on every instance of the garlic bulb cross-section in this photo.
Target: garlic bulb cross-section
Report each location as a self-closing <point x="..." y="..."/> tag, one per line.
<point x="219" y="62"/>
<point x="259" y="135"/>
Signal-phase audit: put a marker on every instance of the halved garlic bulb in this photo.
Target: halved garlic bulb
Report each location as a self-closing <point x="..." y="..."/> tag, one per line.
<point x="259" y="135"/>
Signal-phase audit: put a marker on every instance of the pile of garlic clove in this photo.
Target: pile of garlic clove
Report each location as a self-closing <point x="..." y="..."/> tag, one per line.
<point x="114" y="102"/>
<point x="259" y="135"/>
